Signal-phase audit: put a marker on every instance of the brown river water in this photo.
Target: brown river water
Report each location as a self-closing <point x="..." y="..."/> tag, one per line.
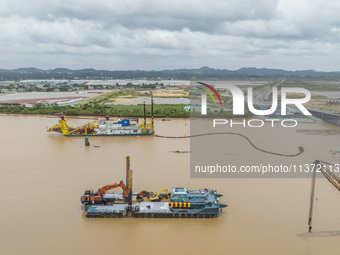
<point x="42" y="177"/>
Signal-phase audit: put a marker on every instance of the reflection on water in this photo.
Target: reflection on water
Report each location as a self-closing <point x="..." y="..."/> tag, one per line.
<point x="156" y="100"/>
<point x="46" y="95"/>
<point x="328" y="94"/>
<point x="43" y="176"/>
<point x="320" y="234"/>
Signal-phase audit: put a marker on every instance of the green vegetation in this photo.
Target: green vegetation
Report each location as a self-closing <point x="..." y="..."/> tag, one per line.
<point x="160" y="110"/>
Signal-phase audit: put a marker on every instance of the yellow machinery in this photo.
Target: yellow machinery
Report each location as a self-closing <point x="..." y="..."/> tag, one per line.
<point x="163" y="193"/>
<point x="107" y="128"/>
<point x="147" y="126"/>
<point x="67" y="130"/>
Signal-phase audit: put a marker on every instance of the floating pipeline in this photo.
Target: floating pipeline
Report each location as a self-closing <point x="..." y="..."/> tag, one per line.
<point x="300" y="148"/>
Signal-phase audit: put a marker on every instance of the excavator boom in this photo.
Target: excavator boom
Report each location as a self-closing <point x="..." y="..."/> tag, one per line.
<point x="98" y="198"/>
<point x="157" y="197"/>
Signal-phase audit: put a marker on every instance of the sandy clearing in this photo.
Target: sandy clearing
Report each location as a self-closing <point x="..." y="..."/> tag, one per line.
<point x="170" y="93"/>
<point x="125" y="100"/>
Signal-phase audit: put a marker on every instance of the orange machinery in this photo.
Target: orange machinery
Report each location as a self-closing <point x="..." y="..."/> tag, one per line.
<point x="91" y="197"/>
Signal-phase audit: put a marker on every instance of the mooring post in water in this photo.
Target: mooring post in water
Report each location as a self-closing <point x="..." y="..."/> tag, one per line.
<point x="87" y="143"/>
<point x="312" y="198"/>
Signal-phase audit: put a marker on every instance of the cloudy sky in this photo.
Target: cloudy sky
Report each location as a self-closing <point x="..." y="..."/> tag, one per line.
<point x="156" y="34"/>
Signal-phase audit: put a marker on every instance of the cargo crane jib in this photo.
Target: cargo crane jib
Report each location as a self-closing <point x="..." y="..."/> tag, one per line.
<point x="325" y="169"/>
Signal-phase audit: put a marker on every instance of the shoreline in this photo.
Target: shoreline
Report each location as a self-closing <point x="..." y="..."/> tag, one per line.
<point x="83" y="116"/>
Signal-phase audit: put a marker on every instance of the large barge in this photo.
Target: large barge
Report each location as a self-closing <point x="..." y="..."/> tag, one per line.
<point x="181" y="203"/>
<point x="105" y="127"/>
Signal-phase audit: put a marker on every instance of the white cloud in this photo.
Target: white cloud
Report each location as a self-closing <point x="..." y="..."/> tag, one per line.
<point x="149" y="34"/>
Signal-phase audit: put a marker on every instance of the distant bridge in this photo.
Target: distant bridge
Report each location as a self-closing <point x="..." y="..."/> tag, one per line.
<point x="327" y="116"/>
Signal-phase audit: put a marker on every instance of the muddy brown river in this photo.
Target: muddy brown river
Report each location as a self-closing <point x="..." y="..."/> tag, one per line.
<point x="42" y="177"/>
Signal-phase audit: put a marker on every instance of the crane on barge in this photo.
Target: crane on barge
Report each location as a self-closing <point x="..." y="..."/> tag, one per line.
<point x="326" y="169"/>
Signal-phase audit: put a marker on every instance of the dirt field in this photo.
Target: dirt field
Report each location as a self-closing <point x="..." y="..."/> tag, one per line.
<point x="170" y="93"/>
<point x="125" y="100"/>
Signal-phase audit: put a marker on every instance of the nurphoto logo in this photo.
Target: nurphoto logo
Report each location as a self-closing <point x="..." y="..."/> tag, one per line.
<point x="239" y="100"/>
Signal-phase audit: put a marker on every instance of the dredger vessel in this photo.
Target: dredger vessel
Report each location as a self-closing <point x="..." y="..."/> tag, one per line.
<point x="105" y="127"/>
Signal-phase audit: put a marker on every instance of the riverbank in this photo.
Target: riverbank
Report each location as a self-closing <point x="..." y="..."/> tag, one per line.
<point x="160" y="110"/>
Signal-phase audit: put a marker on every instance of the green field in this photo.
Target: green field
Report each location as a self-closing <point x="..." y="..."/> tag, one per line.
<point x="160" y="110"/>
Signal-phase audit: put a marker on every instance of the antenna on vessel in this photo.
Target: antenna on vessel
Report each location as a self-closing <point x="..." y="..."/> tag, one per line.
<point x="153" y="128"/>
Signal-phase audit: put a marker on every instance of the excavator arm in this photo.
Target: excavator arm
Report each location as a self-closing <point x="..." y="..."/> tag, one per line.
<point x="124" y="188"/>
<point x="121" y="184"/>
<point x="90" y="197"/>
<point x="104" y="189"/>
<point x="157" y="197"/>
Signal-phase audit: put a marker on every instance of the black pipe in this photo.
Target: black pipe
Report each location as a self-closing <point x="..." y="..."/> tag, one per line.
<point x="144" y="116"/>
<point x="130" y="198"/>
<point x="127" y="171"/>
<point x="130" y="188"/>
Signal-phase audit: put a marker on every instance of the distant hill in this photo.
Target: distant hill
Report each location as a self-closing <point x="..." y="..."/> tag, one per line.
<point x="200" y="73"/>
